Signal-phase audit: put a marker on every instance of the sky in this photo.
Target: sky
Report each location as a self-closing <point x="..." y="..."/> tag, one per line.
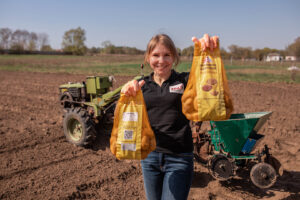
<point x="252" y="23"/>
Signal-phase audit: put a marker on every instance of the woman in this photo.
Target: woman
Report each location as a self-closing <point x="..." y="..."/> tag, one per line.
<point x="168" y="170"/>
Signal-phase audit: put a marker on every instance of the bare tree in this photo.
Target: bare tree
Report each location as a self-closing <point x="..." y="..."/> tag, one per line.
<point x="43" y="41"/>
<point x="19" y="39"/>
<point x="32" y="41"/>
<point x="5" y="36"/>
<point x="240" y="52"/>
<point x="106" y="43"/>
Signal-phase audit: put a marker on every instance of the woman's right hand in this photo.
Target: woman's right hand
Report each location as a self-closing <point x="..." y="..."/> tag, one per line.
<point x="207" y="42"/>
<point x="132" y="87"/>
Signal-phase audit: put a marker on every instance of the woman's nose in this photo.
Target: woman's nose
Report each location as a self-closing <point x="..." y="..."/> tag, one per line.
<point x="161" y="59"/>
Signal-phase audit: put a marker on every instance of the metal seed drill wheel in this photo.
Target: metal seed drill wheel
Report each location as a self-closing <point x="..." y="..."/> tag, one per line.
<point x="263" y="175"/>
<point x="78" y="127"/>
<point x="221" y="167"/>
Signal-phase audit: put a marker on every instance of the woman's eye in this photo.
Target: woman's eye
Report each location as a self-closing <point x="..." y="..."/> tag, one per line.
<point x="155" y="55"/>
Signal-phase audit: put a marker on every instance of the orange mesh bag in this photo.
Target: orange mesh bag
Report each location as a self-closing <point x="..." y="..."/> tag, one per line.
<point x="207" y="96"/>
<point x="132" y="136"/>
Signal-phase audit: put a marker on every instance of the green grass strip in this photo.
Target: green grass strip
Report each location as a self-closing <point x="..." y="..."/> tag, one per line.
<point x="262" y="77"/>
<point x="134" y="69"/>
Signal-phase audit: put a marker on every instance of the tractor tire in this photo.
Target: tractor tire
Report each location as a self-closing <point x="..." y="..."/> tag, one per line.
<point x="78" y="127"/>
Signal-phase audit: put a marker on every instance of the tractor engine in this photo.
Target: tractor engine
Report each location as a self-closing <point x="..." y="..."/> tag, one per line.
<point x="73" y="92"/>
<point x="78" y="94"/>
<point x="94" y="87"/>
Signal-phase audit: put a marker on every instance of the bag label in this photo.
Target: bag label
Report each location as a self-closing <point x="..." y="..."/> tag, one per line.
<point x="128" y="147"/>
<point x="130" y="116"/>
<point x="128" y="134"/>
<point x="207" y="63"/>
<point x="207" y="60"/>
<point x="179" y="88"/>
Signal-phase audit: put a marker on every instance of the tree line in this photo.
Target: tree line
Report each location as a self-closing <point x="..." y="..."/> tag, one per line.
<point x="247" y="53"/>
<point x="73" y="42"/>
<point x="23" y="40"/>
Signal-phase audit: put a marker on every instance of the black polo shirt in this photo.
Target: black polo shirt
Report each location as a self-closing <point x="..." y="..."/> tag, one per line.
<point x="171" y="127"/>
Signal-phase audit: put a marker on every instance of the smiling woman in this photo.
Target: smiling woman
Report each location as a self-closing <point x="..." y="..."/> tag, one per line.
<point x="168" y="170"/>
<point x="161" y="61"/>
<point x="161" y="55"/>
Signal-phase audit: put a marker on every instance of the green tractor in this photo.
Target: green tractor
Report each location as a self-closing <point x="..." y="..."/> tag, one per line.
<point x="87" y="107"/>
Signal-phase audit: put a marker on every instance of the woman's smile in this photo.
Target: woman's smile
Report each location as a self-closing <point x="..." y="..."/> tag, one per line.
<point x="161" y="61"/>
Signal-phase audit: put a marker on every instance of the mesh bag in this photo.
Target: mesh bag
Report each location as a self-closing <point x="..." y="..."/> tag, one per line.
<point x="207" y="95"/>
<point x="132" y="136"/>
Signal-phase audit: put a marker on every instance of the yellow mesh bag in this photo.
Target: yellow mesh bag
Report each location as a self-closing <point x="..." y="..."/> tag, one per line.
<point x="132" y="136"/>
<point x="207" y="95"/>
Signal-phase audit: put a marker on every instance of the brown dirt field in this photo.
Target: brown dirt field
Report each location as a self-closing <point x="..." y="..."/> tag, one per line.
<point x="36" y="162"/>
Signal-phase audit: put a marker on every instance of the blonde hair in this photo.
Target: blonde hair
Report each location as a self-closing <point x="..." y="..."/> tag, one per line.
<point x="164" y="40"/>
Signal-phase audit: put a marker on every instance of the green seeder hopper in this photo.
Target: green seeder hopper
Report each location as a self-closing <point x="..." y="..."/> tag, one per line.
<point x="233" y="144"/>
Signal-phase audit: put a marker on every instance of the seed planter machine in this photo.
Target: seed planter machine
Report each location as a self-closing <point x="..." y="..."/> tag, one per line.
<point x="232" y="145"/>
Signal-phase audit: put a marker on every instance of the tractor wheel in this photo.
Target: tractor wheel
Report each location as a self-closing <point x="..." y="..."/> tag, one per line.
<point x="78" y="127"/>
<point x="263" y="175"/>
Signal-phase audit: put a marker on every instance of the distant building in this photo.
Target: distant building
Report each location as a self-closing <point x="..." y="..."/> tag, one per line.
<point x="290" y="58"/>
<point x="274" y="57"/>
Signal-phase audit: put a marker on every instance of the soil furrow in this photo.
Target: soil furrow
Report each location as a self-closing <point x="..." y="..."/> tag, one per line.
<point x="31" y="169"/>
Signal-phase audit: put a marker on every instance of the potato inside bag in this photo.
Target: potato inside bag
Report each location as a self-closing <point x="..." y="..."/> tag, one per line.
<point x="207" y="96"/>
<point x="132" y="136"/>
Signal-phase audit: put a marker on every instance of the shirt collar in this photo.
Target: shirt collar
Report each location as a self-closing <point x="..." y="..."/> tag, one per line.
<point x="172" y="76"/>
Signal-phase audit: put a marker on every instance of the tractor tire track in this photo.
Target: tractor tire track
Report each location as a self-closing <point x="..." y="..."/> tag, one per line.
<point x="31" y="146"/>
<point x="31" y="169"/>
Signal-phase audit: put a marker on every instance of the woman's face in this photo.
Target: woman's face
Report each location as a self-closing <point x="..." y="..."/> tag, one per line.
<point x="161" y="60"/>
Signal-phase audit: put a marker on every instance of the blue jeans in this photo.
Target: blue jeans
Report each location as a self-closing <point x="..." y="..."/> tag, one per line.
<point x="166" y="176"/>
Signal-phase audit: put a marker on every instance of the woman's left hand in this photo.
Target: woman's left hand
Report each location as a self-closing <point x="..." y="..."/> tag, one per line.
<point x="207" y="42"/>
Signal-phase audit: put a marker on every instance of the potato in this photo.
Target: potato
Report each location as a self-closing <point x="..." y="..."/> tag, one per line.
<point x="206" y="88"/>
<point x="152" y="144"/>
<point x="144" y="154"/>
<point x="214" y="93"/>
<point x="211" y="81"/>
<point x="195" y="104"/>
<point x="145" y="142"/>
<point x="113" y="147"/>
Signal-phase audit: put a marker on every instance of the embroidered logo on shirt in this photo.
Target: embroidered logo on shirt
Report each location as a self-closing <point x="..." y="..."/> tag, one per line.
<point x="179" y="88"/>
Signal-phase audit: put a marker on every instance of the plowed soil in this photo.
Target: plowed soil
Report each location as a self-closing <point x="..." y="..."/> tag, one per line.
<point x="36" y="161"/>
